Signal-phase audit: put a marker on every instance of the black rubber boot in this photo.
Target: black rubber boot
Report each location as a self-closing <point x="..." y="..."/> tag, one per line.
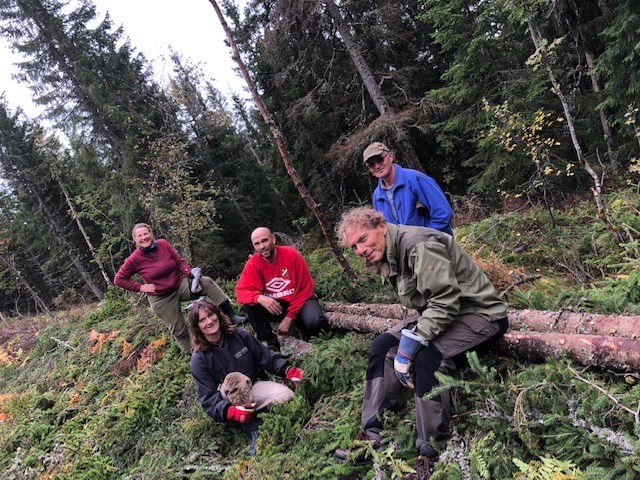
<point x="227" y="309"/>
<point x="275" y="346"/>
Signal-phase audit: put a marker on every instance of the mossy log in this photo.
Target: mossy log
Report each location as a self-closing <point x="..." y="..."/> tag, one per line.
<point x="608" y="341"/>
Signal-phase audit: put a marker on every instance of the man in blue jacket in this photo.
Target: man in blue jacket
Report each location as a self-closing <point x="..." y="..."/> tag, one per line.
<point x="405" y="196"/>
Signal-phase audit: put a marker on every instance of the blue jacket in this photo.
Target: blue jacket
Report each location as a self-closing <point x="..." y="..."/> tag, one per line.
<point x="409" y="188"/>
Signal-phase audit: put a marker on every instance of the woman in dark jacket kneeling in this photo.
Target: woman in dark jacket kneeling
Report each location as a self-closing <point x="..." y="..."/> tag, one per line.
<point x="219" y="349"/>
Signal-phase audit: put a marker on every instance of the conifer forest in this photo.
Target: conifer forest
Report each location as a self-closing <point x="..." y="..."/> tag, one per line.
<point x="525" y="112"/>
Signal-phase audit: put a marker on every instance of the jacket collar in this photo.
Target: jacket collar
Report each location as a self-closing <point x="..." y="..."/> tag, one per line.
<point x="393" y="232"/>
<point x="399" y="180"/>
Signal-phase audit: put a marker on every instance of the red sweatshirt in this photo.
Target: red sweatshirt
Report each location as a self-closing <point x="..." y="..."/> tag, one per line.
<point x="163" y="267"/>
<point x="286" y="279"/>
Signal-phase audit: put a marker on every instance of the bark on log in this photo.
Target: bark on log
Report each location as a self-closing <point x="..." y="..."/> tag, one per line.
<point x="383" y="310"/>
<point x="614" y="353"/>
<point x="563" y="321"/>
<point x="360" y="323"/>
<point x="590" y="339"/>
<point x="625" y="326"/>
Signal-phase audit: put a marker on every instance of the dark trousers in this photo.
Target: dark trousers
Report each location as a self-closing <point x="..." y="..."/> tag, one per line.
<point x="310" y="316"/>
<point x="383" y="389"/>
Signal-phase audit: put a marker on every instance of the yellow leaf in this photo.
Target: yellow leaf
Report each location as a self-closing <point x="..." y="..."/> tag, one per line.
<point x="5" y="359"/>
<point x="126" y="348"/>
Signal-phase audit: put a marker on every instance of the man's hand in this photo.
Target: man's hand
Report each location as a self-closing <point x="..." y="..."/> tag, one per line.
<point x="285" y="326"/>
<point x="148" y="287"/>
<point x="410" y="343"/>
<point x="272" y="306"/>
<point x="294" y="375"/>
<point x="241" y="414"/>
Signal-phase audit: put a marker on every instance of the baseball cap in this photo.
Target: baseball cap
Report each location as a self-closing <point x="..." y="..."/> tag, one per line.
<point x="374" y="150"/>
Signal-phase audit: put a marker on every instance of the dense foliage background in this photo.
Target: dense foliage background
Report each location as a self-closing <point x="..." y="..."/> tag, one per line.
<point x="502" y="101"/>
<point x="525" y="112"/>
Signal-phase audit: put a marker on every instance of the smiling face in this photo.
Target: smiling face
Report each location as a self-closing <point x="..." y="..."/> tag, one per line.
<point x="264" y="242"/>
<point x="209" y="325"/>
<point x="143" y="237"/>
<point x="381" y="166"/>
<point x="369" y="243"/>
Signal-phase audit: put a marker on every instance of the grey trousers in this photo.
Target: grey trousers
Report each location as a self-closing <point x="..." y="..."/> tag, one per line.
<point x="383" y="390"/>
<point x="167" y="307"/>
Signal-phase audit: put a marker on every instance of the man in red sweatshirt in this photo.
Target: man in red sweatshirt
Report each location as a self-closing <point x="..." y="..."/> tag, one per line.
<point x="276" y="286"/>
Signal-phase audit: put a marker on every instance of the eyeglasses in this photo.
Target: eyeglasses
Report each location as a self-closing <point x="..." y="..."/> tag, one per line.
<point x="376" y="161"/>
<point x="199" y="301"/>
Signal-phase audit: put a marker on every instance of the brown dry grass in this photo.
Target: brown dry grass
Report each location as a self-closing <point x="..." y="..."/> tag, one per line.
<point x="21" y="333"/>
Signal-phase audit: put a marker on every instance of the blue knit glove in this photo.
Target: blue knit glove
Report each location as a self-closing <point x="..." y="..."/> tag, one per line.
<point x="410" y="343"/>
<point x="196" y="273"/>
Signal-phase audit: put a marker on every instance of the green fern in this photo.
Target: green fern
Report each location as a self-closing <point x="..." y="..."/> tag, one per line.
<point x="547" y="468"/>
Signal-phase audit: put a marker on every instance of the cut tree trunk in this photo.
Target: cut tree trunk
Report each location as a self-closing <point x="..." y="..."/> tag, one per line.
<point x="614" y="353"/>
<point x="608" y="341"/>
<point x="624" y="326"/>
<point x="284" y="153"/>
<point x="367" y="76"/>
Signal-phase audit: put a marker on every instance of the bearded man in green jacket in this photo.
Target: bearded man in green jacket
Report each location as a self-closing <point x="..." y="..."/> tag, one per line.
<point x="459" y="310"/>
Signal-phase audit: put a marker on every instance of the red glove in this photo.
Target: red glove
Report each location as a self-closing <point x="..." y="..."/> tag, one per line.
<point x="240" y="414"/>
<point x="294" y="374"/>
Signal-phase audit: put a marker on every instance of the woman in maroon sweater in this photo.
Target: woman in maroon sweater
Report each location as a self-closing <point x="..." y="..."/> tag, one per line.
<point x="168" y="280"/>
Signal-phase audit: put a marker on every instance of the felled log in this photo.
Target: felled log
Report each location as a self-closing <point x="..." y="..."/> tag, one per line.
<point x="360" y="323"/>
<point x="614" y="353"/>
<point x="563" y="321"/>
<point x="382" y="310"/>
<point x="603" y="350"/>
<point x="625" y="326"/>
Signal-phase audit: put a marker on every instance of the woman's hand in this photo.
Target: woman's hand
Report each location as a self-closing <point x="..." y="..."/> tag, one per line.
<point x="241" y="414"/>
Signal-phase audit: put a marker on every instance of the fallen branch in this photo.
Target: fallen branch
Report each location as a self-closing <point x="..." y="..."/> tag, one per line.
<point x="522" y="281"/>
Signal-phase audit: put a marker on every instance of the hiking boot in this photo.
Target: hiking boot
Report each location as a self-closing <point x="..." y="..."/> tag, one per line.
<point x="423" y="469"/>
<point x="228" y="310"/>
<point x="370" y="435"/>
<point x="238" y="319"/>
<point x="426" y="450"/>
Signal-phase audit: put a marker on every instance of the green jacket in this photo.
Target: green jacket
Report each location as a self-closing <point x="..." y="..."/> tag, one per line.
<point x="431" y="273"/>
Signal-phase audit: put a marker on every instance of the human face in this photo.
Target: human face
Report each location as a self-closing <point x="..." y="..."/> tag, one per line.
<point x="264" y="242"/>
<point x="381" y="166"/>
<point x="143" y="237"/>
<point x="369" y="243"/>
<point x="209" y="325"/>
